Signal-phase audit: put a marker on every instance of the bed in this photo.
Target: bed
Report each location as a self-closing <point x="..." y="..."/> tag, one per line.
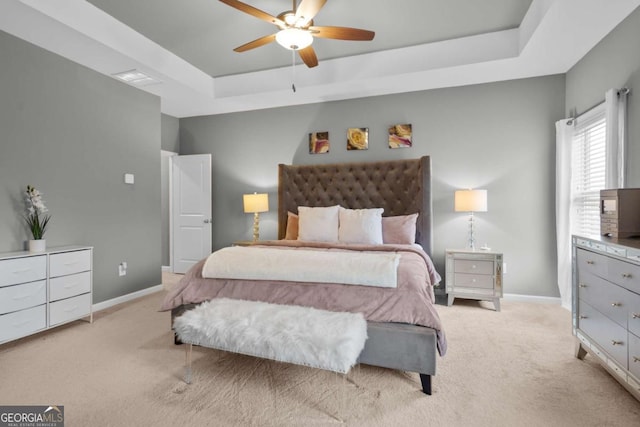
<point x="400" y="187"/>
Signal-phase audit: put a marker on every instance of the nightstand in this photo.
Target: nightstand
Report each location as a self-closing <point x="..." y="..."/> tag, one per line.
<point x="474" y="275"/>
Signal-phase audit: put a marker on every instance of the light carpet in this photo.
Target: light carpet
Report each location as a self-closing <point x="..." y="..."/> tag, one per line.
<point x="510" y="368"/>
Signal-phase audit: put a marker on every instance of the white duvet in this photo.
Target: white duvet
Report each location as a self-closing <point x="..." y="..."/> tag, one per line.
<point x="300" y="265"/>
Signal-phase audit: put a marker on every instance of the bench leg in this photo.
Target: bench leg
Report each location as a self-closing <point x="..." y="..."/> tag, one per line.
<point x="426" y="383"/>
<point x="187" y="367"/>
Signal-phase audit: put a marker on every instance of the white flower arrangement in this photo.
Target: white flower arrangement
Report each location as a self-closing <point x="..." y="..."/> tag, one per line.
<point x="36" y="217"/>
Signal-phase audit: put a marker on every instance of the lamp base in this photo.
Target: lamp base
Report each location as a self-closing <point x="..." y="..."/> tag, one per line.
<point x="256" y="226"/>
<point x="472" y="240"/>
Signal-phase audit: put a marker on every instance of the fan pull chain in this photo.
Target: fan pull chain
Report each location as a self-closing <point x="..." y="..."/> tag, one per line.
<point x="293" y="70"/>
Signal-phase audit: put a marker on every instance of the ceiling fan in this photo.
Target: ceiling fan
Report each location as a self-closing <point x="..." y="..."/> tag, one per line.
<point x="297" y="30"/>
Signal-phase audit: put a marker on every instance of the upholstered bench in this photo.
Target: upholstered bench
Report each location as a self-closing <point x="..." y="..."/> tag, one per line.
<point x="292" y="334"/>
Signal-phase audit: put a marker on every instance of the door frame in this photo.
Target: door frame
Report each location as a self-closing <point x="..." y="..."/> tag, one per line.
<point x="169" y="155"/>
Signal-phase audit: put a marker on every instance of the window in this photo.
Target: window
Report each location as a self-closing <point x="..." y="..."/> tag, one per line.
<point x="588" y="153"/>
<point x="590" y="156"/>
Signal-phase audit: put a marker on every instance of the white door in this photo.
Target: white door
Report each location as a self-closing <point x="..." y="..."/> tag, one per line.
<point x="191" y="210"/>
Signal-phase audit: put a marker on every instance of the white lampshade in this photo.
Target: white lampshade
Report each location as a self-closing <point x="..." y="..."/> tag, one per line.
<point x="470" y="201"/>
<point x="255" y="202"/>
<point x="294" y="38"/>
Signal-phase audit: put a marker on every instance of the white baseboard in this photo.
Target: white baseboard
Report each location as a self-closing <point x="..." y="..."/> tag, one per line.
<point x="533" y="298"/>
<point x="166" y="268"/>
<point x="124" y="298"/>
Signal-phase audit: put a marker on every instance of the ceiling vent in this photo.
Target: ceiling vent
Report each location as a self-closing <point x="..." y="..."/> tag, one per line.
<point x="136" y="78"/>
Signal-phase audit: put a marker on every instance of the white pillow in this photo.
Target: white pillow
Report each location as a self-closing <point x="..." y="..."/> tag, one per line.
<point x="360" y="226"/>
<point x="318" y="224"/>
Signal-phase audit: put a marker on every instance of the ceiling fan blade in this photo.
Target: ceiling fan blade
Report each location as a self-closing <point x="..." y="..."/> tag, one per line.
<point x="308" y="56"/>
<point x="243" y="7"/>
<point x="342" y="33"/>
<point x="256" y="43"/>
<point x="307" y="9"/>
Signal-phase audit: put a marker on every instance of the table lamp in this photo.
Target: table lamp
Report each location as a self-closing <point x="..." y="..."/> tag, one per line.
<point x="471" y="201"/>
<point x="256" y="203"/>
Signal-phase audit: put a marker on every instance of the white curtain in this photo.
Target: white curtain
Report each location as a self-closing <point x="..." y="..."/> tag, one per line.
<point x="564" y="136"/>
<point x="616" y="114"/>
<point x="615" y="177"/>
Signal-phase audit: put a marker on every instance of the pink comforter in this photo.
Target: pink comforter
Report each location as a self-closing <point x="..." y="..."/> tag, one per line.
<point x="411" y="302"/>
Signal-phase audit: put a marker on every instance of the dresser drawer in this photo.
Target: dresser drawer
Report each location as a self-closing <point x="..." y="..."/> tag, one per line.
<point x="607" y="334"/>
<point x="69" y="309"/>
<point x="609" y="299"/>
<point x="22" y="270"/>
<point x="633" y="314"/>
<point x="21" y="323"/>
<point x="634" y="355"/>
<point x="481" y="281"/>
<point x="19" y="297"/>
<point x="69" y="286"/>
<point x="473" y="266"/>
<point x="591" y="262"/>
<point x="624" y="274"/>
<point x="73" y="262"/>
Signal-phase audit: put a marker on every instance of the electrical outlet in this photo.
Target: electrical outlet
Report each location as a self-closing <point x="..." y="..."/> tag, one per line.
<point x="122" y="269"/>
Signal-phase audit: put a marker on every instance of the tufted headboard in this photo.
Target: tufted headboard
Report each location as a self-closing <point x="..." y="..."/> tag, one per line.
<point x="401" y="187"/>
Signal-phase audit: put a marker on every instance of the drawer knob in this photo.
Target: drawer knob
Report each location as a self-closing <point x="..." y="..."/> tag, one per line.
<point x="614" y="342"/>
<point x="473" y="280"/>
<point x="583" y="317"/>
<point x="616" y="304"/>
<point x="582" y="285"/>
<point x="635" y="315"/>
<point x="590" y="262"/>
<point x="636" y="359"/>
<point x="473" y="266"/>
<point x="626" y="275"/>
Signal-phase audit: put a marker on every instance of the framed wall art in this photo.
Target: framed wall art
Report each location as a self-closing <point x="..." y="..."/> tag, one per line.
<point x="400" y="136"/>
<point x="358" y="139"/>
<point x="319" y="142"/>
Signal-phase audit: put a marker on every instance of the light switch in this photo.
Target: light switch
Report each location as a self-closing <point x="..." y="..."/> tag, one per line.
<point x="128" y="178"/>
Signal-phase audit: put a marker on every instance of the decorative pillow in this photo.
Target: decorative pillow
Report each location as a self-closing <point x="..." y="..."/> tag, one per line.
<point x="360" y="226"/>
<point x="399" y="229"/>
<point x="318" y="224"/>
<point x="292" y="227"/>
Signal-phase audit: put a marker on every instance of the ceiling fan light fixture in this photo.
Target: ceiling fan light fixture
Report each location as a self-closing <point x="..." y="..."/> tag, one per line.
<point x="294" y="38"/>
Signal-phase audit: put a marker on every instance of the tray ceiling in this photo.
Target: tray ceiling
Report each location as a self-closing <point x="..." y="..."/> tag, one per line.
<point x="420" y="44"/>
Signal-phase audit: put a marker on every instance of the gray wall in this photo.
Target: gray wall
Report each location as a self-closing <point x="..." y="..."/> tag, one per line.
<point x="497" y="136"/>
<point x="170" y="133"/>
<point x="613" y="63"/>
<point x="74" y="133"/>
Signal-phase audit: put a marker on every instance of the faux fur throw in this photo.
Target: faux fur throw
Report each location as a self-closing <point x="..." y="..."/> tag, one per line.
<point x="300" y="335"/>
<point x="301" y="265"/>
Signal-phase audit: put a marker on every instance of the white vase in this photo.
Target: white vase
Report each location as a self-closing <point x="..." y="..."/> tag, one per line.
<point x="39" y="245"/>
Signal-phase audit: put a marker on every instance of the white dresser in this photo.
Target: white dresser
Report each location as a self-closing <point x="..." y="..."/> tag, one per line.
<point x="606" y="305"/>
<point x="45" y="289"/>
